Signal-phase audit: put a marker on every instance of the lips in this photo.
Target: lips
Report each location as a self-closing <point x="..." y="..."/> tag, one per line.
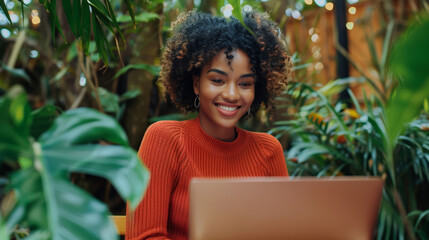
<point x="227" y="110"/>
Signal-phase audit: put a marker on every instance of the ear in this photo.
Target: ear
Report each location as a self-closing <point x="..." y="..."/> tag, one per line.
<point x="196" y="84"/>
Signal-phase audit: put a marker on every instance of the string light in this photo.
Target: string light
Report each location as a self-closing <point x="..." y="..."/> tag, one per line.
<point x="329" y="6"/>
<point x="350" y="25"/>
<point x="35" y="20"/>
<point x="318" y="66"/>
<point x="315" y="37"/>
<point x="352" y="10"/>
<point x="308" y="2"/>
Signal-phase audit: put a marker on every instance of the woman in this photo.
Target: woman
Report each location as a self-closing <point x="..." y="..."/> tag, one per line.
<point x="225" y="72"/>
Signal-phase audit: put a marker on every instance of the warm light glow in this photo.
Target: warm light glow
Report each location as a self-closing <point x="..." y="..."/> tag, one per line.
<point x="311" y="31"/>
<point x="308" y="2"/>
<point x="352" y="10"/>
<point x="329" y="6"/>
<point x="317" y="55"/>
<point x="350" y="25"/>
<point x="34" y="13"/>
<point x="35" y="20"/>
<point x="318" y="66"/>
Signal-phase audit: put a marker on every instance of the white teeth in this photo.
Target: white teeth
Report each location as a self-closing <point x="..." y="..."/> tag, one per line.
<point x="227" y="108"/>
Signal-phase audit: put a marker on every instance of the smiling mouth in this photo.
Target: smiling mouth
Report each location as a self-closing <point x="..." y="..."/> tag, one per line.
<point x="227" y="108"/>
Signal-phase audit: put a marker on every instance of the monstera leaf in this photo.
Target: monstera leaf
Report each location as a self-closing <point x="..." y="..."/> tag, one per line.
<point x="80" y="140"/>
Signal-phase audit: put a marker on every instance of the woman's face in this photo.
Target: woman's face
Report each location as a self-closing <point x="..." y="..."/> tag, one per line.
<point x="226" y="92"/>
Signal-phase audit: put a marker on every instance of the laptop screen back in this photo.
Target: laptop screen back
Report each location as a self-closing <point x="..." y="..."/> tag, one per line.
<point x="284" y="208"/>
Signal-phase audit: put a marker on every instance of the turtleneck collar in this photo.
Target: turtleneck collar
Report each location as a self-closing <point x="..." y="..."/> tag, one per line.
<point x="217" y="147"/>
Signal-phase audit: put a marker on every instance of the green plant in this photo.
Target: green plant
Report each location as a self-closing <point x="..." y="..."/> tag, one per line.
<point x="38" y="152"/>
<point x="390" y="140"/>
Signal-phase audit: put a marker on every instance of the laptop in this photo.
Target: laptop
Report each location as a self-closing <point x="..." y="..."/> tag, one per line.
<point x="284" y="208"/>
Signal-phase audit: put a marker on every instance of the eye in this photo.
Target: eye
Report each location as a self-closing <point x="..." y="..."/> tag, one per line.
<point x="246" y="84"/>
<point x="218" y="81"/>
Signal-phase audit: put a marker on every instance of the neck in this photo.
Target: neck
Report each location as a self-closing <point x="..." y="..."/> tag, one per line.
<point x="222" y="134"/>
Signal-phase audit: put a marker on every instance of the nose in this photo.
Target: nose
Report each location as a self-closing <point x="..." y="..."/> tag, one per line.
<point x="230" y="92"/>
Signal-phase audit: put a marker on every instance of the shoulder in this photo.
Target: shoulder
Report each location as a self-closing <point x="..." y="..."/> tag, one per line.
<point x="164" y="133"/>
<point x="162" y="139"/>
<point x="167" y="128"/>
<point x="268" y="142"/>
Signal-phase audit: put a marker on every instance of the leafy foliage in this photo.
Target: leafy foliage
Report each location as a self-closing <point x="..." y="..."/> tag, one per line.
<point x="80" y="140"/>
<point x="388" y="140"/>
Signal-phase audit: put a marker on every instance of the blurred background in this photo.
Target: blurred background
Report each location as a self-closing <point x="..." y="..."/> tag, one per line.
<point x="334" y="119"/>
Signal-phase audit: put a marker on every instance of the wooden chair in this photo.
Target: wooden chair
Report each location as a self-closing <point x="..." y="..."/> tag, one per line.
<point x="120" y="222"/>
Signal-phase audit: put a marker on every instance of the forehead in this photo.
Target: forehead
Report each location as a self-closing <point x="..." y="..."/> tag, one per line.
<point x="236" y="59"/>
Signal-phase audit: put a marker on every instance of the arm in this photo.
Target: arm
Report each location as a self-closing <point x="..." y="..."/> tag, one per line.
<point x="159" y="151"/>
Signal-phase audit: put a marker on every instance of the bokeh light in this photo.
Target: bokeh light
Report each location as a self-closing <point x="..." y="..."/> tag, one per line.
<point x="82" y="80"/>
<point x="247" y="8"/>
<point x="350" y="25"/>
<point x="227" y="10"/>
<point x="296" y="14"/>
<point x="352" y="10"/>
<point x="318" y="66"/>
<point x="315" y="37"/>
<point x="5" y="33"/>
<point x="10" y="5"/>
<point x="329" y="6"/>
<point x="320" y="3"/>
<point x="34" y="53"/>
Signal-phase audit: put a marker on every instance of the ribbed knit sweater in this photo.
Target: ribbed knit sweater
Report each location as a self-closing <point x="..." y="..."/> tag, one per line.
<point x="175" y="152"/>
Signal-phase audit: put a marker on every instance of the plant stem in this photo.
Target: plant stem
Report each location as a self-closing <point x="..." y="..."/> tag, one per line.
<point x="15" y="51"/>
<point x="401" y="209"/>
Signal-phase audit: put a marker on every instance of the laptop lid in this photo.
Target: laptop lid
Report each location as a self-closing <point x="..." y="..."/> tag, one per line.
<point x="284" y="208"/>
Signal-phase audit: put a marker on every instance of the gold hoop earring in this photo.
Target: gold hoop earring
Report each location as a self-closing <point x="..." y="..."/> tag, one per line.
<point x="197" y="102"/>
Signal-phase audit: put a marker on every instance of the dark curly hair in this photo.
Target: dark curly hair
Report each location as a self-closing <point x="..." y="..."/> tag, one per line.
<point x="198" y="37"/>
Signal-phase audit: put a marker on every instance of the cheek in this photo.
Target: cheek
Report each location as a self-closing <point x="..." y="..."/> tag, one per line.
<point x="250" y="96"/>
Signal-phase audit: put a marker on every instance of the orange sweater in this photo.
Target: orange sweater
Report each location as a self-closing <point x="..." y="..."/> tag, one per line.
<point x="175" y="152"/>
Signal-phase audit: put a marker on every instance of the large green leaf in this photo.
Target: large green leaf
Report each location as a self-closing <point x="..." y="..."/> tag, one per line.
<point x="43" y="118"/>
<point x="69" y="146"/>
<point x="410" y="63"/>
<point x="15" y="121"/>
<point x="83" y="126"/>
<point x="57" y="209"/>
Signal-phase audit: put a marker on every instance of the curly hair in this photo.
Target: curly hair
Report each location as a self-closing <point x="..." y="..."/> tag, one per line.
<point x="198" y="37"/>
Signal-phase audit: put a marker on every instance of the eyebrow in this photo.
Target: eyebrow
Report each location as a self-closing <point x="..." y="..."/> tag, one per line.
<point x="225" y="74"/>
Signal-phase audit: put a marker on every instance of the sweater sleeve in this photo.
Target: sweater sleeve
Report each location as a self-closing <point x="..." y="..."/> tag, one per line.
<point x="276" y="162"/>
<point x="160" y="150"/>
